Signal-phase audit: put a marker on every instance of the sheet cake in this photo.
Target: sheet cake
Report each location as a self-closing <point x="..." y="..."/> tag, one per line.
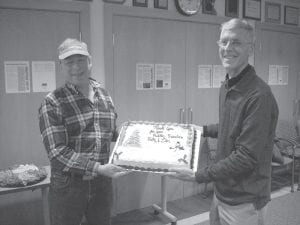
<point x="156" y="146"/>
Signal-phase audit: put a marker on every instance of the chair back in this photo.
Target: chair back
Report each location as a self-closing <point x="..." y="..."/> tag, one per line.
<point x="286" y="129"/>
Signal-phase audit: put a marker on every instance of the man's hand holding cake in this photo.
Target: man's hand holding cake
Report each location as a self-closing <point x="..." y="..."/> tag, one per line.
<point x="110" y="170"/>
<point x="184" y="174"/>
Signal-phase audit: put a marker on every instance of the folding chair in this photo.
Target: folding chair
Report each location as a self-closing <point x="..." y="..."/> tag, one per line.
<point x="288" y="141"/>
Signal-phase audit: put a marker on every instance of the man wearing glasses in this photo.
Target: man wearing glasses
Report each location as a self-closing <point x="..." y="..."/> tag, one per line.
<point x="248" y="115"/>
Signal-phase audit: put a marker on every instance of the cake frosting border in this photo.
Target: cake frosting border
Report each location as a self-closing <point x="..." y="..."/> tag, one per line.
<point x="191" y="142"/>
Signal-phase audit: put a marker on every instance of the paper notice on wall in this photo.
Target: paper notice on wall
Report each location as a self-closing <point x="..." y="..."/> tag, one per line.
<point x="17" y="77"/>
<point x="278" y="75"/>
<point x="43" y="76"/>
<point x="204" y="76"/>
<point x="219" y="74"/>
<point x="283" y="75"/>
<point x="163" y="74"/>
<point x="144" y="76"/>
<point x="273" y="75"/>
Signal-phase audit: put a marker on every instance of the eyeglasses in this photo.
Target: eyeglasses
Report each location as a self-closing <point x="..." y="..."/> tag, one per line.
<point x="234" y="43"/>
<point x="77" y="61"/>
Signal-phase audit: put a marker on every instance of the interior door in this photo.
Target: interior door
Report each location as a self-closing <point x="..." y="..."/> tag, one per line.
<point x="150" y="41"/>
<point x="153" y="41"/>
<point x="277" y="46"/>
<point x="28" y="35"/>
<point x="201" y="103"/>
<point x="202" y="49"/>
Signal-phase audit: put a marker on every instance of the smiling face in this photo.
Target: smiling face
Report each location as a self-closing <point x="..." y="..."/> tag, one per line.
<point x="76" y="69"/>
<point x="235" y="47"/>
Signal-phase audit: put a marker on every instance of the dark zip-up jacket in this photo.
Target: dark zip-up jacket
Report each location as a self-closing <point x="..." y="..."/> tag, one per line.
<point x="248" y="115"/>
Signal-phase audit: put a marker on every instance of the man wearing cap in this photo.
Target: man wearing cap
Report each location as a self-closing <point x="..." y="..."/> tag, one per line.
<point x="77" y="123"/>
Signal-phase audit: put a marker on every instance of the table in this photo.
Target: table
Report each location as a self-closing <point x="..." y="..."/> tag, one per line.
<point x="43" y="185"/>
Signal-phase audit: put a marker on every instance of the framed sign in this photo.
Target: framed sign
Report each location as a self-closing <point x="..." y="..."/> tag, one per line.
<point x="115" y="1"/>
<point x="140" y="3"/>
<point x="161" y="4"/>
<point x="232" y="8"/>
<point x="272" y="12"/>
<point x="208" y="7"/>
<point x="291" y="15"/>
<point x="251" y="9"/>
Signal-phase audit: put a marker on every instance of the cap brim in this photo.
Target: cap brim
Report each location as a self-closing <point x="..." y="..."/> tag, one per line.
<point x="73" y="52"/>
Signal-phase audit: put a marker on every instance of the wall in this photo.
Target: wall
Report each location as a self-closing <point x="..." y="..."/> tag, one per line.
<point x="30" y="30"/>
<point x="97" y="50"/>
<point x="97" y="23"/>
<point x="97" y="40"/>
<point x="120" y="85"/>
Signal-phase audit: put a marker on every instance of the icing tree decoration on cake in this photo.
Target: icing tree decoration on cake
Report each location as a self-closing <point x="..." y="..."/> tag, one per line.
<point x="156" y="146"/>
<point x="134" y="139"/>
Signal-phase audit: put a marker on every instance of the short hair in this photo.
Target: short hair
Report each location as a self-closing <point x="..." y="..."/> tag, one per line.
<point x="236" y="23"/>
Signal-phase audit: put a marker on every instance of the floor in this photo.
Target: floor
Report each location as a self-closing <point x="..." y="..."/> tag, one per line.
<point x="182" y="209"/>
<point x="283" y="210"/>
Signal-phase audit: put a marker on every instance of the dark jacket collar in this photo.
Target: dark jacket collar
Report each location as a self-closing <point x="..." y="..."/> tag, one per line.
<point x="241" y="82"/>
<point x="232" y="81"/>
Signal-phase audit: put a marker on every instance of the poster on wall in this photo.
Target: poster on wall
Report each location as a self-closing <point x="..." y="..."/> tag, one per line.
<point x="283" y="75"/>
<point x="204" y="76"/>
<point x="43" y="76"/>
<point x="144" y="76"/>
<point x="278" y="75"/>
<point x="163" y="75"/>
<point x="17" y="77"/>
<point x="219" y="74"/>
<point x="273" y="75"/>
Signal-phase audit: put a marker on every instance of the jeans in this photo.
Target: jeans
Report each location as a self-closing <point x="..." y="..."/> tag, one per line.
<point x="71" y="198"/>
<point x="244" y="214"/>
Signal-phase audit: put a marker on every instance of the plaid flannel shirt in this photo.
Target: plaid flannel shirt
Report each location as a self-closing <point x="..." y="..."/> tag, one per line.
<point x="76" y="132"/>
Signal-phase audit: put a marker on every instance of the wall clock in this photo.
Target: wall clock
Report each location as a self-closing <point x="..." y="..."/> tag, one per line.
<point x="188" y="7"/>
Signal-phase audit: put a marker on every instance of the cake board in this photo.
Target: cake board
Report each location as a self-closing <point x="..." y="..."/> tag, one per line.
<point x="157" y="209"/>
<point x="163" y="208"/>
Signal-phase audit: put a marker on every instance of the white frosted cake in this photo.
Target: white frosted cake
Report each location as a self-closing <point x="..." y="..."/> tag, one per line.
<point x="153" y="146"/>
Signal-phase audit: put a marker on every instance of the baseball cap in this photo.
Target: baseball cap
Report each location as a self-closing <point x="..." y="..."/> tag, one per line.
<point x="72" y="47"/>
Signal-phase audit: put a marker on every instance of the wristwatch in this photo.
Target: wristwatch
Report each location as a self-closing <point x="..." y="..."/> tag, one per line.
<point x="188" y="7"/>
